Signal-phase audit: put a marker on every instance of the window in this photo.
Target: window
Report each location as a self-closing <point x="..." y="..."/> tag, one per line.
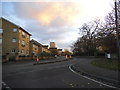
<point x="33" y="52"/>
<point x="27" y="52"/>
<point x="14" y="40"/>
<point x="27" y="43"/>
<point x="23" y="33"/>
<point x="22" y="51"/>
<point x="1" y="31"/>
<point x="23" y="42"/>
<point x="19" y="31"/>
<point x="33" y="46"/>
<point x="27" y="36"/>
<point x="14" y="30"/>
<point x="36" y="48"/>
<point x="13" y="50"/>
<point x="19" y="41"/>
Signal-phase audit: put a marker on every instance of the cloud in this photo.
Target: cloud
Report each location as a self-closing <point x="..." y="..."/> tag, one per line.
<point x="52" y="21"/>
<point x="47" y="13"/>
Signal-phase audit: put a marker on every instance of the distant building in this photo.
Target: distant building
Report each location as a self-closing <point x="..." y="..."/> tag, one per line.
<point x="15" y="40"/>
<point x="53" y="48"/>
<point x="60" y="51"/>
<point x="45" y="46"/>
<point x="52" y="45"/>
<point x="45" y="49"/>
<point x="36" y="48"/>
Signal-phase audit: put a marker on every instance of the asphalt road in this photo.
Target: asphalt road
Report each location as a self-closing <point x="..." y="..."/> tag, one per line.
<point x="53" y="75"/>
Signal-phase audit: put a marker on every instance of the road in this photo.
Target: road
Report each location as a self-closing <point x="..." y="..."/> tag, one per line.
<point x="53" y="75"/>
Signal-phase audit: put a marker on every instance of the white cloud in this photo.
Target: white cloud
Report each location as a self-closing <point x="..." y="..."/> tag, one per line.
<point x="54" y="21"/>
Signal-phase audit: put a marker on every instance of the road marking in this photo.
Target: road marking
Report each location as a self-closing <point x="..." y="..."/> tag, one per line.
<point x="6" y="86"/>
<point x="90" y="78"/>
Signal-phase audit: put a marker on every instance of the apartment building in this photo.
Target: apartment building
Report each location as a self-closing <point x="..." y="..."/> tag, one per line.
<point x="15" y="40"/>
<point x="45" y="49"/>
<point x="35" y="47"/>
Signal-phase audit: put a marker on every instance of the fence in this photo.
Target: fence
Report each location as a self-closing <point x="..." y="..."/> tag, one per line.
<point x="6" y="58"/>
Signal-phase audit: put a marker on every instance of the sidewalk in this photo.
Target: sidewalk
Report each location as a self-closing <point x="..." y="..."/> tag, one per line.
<point x="85" y="67"/>
<point x="57" y="59"/>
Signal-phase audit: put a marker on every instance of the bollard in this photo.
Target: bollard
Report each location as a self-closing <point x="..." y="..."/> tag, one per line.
<point x="37" y="60"/>
<point x="66" y="57"/>
<point x="70" y="57"/>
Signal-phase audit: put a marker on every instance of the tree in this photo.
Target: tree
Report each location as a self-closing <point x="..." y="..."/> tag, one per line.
<point x="87" y="43"/>
<point x="95" y="35"/>
<point x="107" y="34"/>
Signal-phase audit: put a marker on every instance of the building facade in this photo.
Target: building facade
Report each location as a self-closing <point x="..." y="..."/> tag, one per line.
<point x="45" y="49"/>
<point x="15" y="40"/>
<point x="35" y="47"/>
<point x="52" y="45"/>
<point x="53" y="48"/>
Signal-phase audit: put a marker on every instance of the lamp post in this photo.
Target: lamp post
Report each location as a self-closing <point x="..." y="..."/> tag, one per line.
<point x="117" y="30"/>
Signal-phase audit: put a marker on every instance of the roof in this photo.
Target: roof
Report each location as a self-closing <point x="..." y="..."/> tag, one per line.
<point x="45" y="45"/>
<point x="59" y="49"/>
<point x="35" y="42"/>
<point x="16" y="25"/>
<point x="24" y="31"/>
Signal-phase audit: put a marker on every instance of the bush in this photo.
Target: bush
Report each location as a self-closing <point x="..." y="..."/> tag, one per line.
<point x="12" y="58"/>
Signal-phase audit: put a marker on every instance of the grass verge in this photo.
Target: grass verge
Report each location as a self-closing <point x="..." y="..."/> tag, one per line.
<point x="108" y="64"/>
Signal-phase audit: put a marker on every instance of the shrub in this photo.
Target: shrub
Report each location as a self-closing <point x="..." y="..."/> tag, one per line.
<point x="12" y="58"/>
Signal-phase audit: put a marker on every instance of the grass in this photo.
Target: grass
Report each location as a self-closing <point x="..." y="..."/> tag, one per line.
<point x="104" y="63"/>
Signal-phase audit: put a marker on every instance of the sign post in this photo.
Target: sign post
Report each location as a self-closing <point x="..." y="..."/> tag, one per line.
<point x="117" y="23"/>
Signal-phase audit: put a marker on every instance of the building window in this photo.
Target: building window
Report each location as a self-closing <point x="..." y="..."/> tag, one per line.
<point x="13" y="50"/>
<point x="27" y="52"/>
<point x="27" y="36"/>
<point x="23" y="33"/>
<point x="27" y="43"/>
<point x="18" y="51"/>
<point x="14" y="30"/>
<point x="33" y="46"/>
<point x="14" y="40"/>
<point x="19" y="31"/>
<point x="23" y="43"/>
<point x="19" y="41"/>
<point x="1" y="31"/>
<point x="22" y="51"/>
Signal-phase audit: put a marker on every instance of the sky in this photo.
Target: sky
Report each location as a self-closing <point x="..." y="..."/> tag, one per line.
<point x="54" y="21"/>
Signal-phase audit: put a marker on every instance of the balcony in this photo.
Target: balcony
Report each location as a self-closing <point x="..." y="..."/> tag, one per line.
<point x="23" y="45"/>
<point x="23" y="36"/>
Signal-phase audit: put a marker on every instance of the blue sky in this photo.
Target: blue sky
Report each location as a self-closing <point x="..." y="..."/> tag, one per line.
<point x="55" y="21"/>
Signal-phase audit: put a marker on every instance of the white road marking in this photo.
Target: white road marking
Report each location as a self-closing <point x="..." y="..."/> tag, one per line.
<point x="6" y="86"/>
<point x="91" y="79"/>
<point x="88" y="83"/>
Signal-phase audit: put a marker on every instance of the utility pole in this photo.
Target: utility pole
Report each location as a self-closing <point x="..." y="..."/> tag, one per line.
<point x="117" y="30"/>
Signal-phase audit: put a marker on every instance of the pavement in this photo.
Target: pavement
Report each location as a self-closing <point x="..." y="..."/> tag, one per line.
<point x="57" y="59"/>
<point x="84" y="67"/>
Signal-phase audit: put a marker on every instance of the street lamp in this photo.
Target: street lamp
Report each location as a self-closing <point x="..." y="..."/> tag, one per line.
<point x="117" y="30"/>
